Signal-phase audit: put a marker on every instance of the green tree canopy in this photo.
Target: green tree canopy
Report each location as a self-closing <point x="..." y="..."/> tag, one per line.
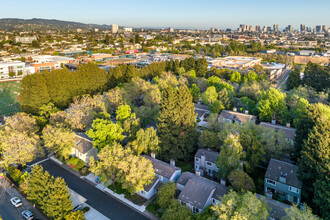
<point x="271" y="104"/>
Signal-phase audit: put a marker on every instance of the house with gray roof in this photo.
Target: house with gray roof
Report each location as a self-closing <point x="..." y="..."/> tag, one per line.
<point x="205" y="162"/>
<point x="83" y="149"/>
<point x="288" y="132"/>
<point x="165" y="172"/>
<point x="198" y="192"/>
<point x="236" y="117"/>
<point x="281" y="179"/>
<point x="277" y="209"/>
<point x="202" y="113"/>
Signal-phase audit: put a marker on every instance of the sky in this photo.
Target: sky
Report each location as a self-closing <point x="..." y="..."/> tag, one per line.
<point x="200" y="14"/>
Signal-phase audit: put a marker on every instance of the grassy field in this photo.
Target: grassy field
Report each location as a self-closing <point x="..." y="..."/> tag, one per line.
<point x="8" y="97"/>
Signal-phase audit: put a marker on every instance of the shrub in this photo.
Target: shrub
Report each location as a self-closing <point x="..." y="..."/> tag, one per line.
<point x="84" y="171"/>
<point x="80" y="164"/>
<point x="74" y="161"/>
<point x="14" y="173"/>
<point x="86" y="209"/>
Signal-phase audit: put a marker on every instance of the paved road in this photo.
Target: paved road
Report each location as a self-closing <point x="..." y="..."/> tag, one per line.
<point x="97" y="199"/>
<point x="7" y="210"/>
<point x="280" y="82"/>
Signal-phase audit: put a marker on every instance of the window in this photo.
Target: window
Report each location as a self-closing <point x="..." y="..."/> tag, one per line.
<point x="293" y="189"/>
<point x="143" y="192"/>
<point x="208" y="163"/>
<point x="195" y="210"/>
<point x="271" y="182"/>
<point x="197" y="167"/>
<point x="196" y="159"/>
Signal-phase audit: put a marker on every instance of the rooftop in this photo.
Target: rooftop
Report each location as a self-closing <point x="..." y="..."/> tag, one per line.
<point x="210" y="155"/>
<point x="162" y="168"/>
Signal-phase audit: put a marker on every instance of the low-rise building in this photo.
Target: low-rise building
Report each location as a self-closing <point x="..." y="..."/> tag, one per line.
<point x="204" y="162"/>
<point x="198" y="192"/>
<point x="165" y="172"/>
<point x="83" y="149"/>
<point x="281" y="179"/>
<point x="235" y="62"/>
<point x="288" y="132"/>
<point x="17" y="67"/>
<point x="236" y="117"/>
<point x="202" y="113"/>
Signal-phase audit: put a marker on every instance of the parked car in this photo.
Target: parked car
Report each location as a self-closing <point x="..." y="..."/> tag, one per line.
<point x="97" y="180"/>
<point x="27" y="215"/>
<point x="16" y="202"/>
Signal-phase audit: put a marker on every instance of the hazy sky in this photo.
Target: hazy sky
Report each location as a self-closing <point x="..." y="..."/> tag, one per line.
<point x="174" y="13"/>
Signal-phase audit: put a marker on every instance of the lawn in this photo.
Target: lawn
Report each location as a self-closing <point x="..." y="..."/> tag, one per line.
<point x="136" y="199"/>
<point x="154" y="208"/>
<point x="9" y="92"/>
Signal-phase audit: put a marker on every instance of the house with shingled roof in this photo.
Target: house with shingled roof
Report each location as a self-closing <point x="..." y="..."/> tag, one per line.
<point x="198" y="192"/>
<point x="204" y="162"/>
<point x="83" y="149"/>
<point x="236" y="117"/>
<point x="165" y="172"/>
<point x="281" y="179"/>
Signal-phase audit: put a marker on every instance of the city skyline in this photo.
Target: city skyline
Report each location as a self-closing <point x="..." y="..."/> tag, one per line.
<point x="183" y="14"/>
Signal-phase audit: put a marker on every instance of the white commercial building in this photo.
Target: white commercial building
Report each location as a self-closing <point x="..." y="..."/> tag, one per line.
<point x="114" y="28"/>
<point x="25" y="40"/>
<point x="17" y="67"/>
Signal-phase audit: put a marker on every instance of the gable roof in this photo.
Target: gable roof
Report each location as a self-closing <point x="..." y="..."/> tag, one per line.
<point x="288" y="132"/>
<point x="210" y="155"/>
<point x="198" y="189"/>
<point x="183" y="179"/>
<point x="237" y="116"/>
<point x="83" y="142"/>
<point x="162" y="168"/>
<point x="277" y="208"/>
<point x="201" y="107"/>
<point x="275" y="167"/>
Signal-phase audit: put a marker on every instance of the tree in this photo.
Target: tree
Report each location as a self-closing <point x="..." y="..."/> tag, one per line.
<point x="271" y="104"/>
<point x="146" y="141"/>
<point x="77" y="215"/>
<point x="230" y="156"/>
<point x="195" y="92"/>
<point x="177" y="124"/>
<point x="249" y="77"/>
<point x="120" y="165"/>
<point x="240" y="180"/>
<point x="35" y="44"/>
<point x="201" y="67"/>
<point x="18" y="147"/>
<point x="176" y="211"/>
<point x="294" y="213"/>
<point x="241" y="206"/>
<point x="216" y="107"/>
<point x="59" y="139"/>
<point x="235" y="77"/>
<point x="11" y="74"/>
<point x="104" y="132"/>
<point x="123" y="112"/>
<point x="131" y="126"/>
<point x="293" y="79"/>
<point x="166" y="195"/>
<point x="33" y="93"/>
<point x="58" y="203"/>
<point x="209" y="139"/>
<point x="22" y="122"/>
<point x="210" y="95"/>
<point x="317" y="77"/>
<point x="314" y="167"/>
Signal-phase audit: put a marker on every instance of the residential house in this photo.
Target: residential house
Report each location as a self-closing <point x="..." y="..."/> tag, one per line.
<point x="281" y="179"/>
<point x="198" y="192"/>
<point x="83" y="149"/>
<point x="202" y="113"/>
<point x="288" y="132"/>
<point x="205" y="162"/>
<point x="277" y="209"/>
<point x="236" y="117"/>
<point x="165" y="172"/>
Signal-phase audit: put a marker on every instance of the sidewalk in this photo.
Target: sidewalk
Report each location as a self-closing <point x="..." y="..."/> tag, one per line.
<point x="12" y="192"/>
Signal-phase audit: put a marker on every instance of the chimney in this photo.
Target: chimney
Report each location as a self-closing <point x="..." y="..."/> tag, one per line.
<point x="198" y="173"/>
<point x="223" y="181"/>
<point x="234" y="109"/>
<point x="283" y="177"/>
<point x="246" y="112"/>
<point x="172" y="162"/>
<point x="288" y="125"/>
<point x="274" y="122"/>
<point x="153" y="155"/>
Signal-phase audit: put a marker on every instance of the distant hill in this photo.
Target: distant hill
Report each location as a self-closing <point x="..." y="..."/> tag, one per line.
<point x="36" y="24"/>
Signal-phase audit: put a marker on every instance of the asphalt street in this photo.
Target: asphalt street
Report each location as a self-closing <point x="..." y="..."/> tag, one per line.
<point x="97" y="199"/>
<point x="7" y="210"/>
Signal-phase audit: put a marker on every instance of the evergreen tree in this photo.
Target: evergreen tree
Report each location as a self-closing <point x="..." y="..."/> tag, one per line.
<point x="294" y="79"/>
<point x="177" y="124"/>
<point x="317" y="77"/>
<point x="314" y="167"/>
<point x="58" y="203"/>
<point x="33" y="93"/>
<point x="201" y="67"/>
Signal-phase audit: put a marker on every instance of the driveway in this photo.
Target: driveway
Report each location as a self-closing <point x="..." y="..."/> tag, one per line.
<point x="97" y="199"/>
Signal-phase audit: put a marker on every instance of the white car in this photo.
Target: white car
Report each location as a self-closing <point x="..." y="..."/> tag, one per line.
<point x="16" y="202"/>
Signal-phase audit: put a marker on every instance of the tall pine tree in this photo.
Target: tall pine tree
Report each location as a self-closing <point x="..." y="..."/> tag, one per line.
<point x="177" y="125"/>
